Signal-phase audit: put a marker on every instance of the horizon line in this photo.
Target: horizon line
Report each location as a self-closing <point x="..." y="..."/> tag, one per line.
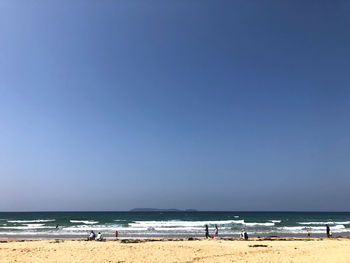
<point x="178" y="211"/>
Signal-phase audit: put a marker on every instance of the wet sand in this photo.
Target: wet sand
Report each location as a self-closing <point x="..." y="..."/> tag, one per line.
<point x="178" y="250"/>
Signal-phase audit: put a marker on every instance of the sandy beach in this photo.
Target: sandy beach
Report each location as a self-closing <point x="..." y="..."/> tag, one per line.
<point x="257" y="250"/>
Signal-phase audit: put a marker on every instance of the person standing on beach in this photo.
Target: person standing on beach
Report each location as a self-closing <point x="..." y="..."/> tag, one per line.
<point x="206" y="231"/>
<point x="328" y="230"/>
<point x="216" y="231"/>
<point x="245" y="234"/>
<point x="241" y="236"/>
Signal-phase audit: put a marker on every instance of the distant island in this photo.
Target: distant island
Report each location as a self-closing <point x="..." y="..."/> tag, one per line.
<point x="161" y="210"/>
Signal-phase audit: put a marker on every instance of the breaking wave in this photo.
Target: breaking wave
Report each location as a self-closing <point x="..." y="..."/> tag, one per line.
<point x="31" y="221"/>
<point x="87" y="222"/>
<point x="28" y="226"/>
<point x="324" y="223"/>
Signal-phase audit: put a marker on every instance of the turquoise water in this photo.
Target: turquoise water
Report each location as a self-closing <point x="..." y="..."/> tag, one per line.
<point x="170" y="224"/>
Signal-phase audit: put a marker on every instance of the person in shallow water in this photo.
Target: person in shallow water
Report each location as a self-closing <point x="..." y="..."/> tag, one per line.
<point x="241" y="235"/>
<point x="245" y="235"/>
<point x="216" y="231"/>
<point x="91" y="235"/>
<point x="99" y="236"/>
<point x="206" y="231"/>
<point x="328" y="230"/>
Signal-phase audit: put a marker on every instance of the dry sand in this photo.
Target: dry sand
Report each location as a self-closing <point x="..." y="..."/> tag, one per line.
<point x="277" y="250"/>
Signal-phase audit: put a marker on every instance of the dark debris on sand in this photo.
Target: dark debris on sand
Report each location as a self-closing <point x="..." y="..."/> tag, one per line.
<point x="258" y="246"/>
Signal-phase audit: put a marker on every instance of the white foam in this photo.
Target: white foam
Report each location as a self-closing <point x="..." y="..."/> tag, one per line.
<point x="28" y="226"/>
<point x="84" y="228"/>
<point x="39" y="234"/>
<point x="178" y="229"/>
<point x="149" y="226"/>
<point x="324" y="223"/>
<point x="313" y="229"/>
<point x="343" y="223"/>
<point x="259" y="224"/>
<point x="87" y="222"/>
<point x="179" y="223"/>
<point x="275" y="221"/>
<point x="293" y="228"/>
<point x="31" y="221"/>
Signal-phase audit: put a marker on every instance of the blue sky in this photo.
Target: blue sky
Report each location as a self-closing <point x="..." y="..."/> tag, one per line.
<point x="212" y="105"/>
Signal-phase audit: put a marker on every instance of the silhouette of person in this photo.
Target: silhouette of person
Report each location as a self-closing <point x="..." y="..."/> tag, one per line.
<point x="328" y="230"/>
<point x="206" y="231"/>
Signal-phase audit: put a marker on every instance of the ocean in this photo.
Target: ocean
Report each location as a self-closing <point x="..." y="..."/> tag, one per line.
<point x="41" y="225"/>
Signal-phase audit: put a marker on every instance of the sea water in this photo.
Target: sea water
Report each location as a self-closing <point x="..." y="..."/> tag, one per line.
<point x="170" y="224"/>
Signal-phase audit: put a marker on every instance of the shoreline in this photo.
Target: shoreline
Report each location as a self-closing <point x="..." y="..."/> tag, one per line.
<point x="143" y="240"/>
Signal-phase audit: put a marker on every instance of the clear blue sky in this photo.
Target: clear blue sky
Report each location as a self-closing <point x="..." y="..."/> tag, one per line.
<point x="212" y="105"/>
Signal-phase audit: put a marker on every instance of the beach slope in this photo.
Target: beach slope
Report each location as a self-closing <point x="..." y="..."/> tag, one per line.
<point x="316" y="250"/>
